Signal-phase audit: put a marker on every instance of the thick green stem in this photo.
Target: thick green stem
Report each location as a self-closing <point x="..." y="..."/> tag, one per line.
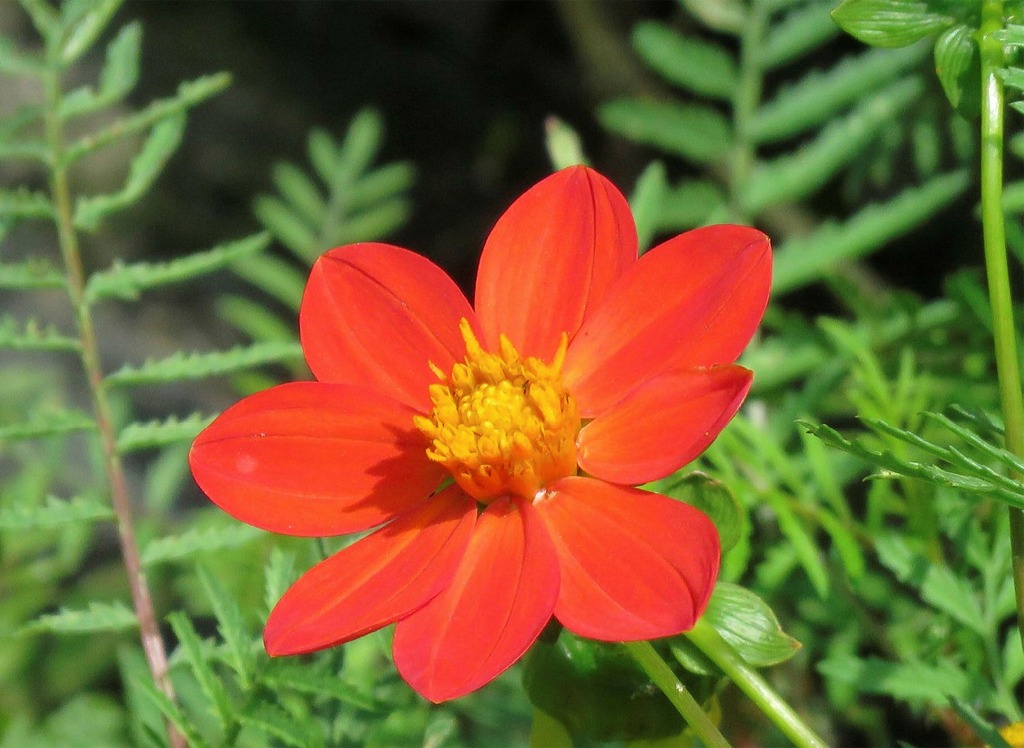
<point x="681" y="698"/>
<point x="754" y="686"/>
<point x="149" y="630"/>
<point x="996" y="267"/>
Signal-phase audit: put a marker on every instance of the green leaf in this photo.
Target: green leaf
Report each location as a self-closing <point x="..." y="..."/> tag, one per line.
<point x="987" y="734"/>
<point x="274" y="722"/>
<point x="29" y="275"/>
<point x="279" y="576"/>
<point x="646" y="201"/>
<point x="808" y="259"/>
<point x="160" y="433"/>
<point x="119" y="75"/>
<point x="379" y="184"/>
<point x="54" y="513"/>
<point x="47" y="424"/>
<point x="957" y="63"/>
<point x="24" y="203"/>
<point x="143" y="690"/>
<point x="146" y="722"/>
<point x="563" y="144"/>
<point x="99" y="617"/>
<point x="359" y="148"/>
<point x="301" y="193"/>
<point x="197" y="540"/>
<point x="128" y="281"/>
<point x="727" y="16"/>
<point x="254" y="319"/>
<point x="163" y="141"/>
<point x="821" y="95"/>
<point x="232" y="628"/>
<point x="371" y="224"/>
<point x="274" y="276"/>
<point x="903" y="681"/>
<point x="283" y="675"/>
<point x="285" y="225"/>
<point x="689" y="204"/>
<point x="698" y="66"/>
<point x="801" y="31"/>
<point x="711" y="497"/>
<point x="82" y="31"/>
<point x="31" y="336"/>
<point x="196" y="654"/>
<point x="14" y="62"/>
<point x="952" y="595"/>
<point x="189" y="94"/>
<point x="889" y="23"/>
<point x="697" y="133"/>
<point x="746" y="622"/>
<point x="793" y="177"/>
<point x="187" y="366"/>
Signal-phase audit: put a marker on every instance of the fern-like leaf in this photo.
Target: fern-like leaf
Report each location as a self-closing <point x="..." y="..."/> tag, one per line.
<point x="232" y="628"/>
<point x="800" y="31"/>
<point x="83" y="23"/>
<point x="277" y="725"/>
<point x="696" y="133"/>
<point x="119" y="75"/>
<point x="128" y="281"/>
<point x="22" y="203"/>
<point x="47" y="424"/>
<point x="98" y="617"/>
<point x="29" y="275"/>
<point x="196" y="654"/>
<point x="54" y="513"/>
<point x="288" y="676"/>
<point x="160" y="433"/>
<point x="184" y="366"/>
<point x="199" y="540"/>
<point x="31" y="336"/>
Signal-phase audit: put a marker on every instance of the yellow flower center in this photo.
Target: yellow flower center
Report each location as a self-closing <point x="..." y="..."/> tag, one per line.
<point x="502" y="424"/>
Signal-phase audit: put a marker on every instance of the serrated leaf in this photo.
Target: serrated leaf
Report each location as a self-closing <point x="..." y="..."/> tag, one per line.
<point x="279" y="575"/>
<point x="31" y="336"/>
<point x="746" y="622"/>
<point x="795" y="176"/>
<point x="142" y="688"/>
<point x="231" y="627"/>
<point x="803" y="260"/>
<point x="943" y="590"/>
<point x="119" y="75"/>
<point x="29" y="275"/>
<point x="902" y="680"/>
<point x="47" y="424"/>
<point x="54" y="513"/>
<point x="160" y="433"/>
<point x="187" y="366"/>
<point x="146" y="723"/>
<point x="98" y="617"/>
<point x="820" y="95"/>
<point x="697" y="133"/>
<point x="284" y="675"/>
<point x="801" y="31"/>
<point x="197" y="540"/>
<point x="24" y="203"/>
<point x="161" y="144"/>
<point x="957" y="65"/>
<point x="128" y="281"/>
<point x="81" y="32"/>
<point x="189" y="94"/>
<point x="689" y="62"/>
<point x="196" y="655"/>
<point x="889" y="23"/>
<point x="274" y="722"/>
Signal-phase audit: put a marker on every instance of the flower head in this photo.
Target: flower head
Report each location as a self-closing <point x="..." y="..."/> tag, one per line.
<point x="496" y="446"/>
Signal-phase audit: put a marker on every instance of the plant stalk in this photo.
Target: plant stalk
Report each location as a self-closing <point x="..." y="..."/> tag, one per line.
<point x="997" y="270"/>
<point x="149" y="630"/>
<point x="707" y="640"/>
<point x="659" y="672"/>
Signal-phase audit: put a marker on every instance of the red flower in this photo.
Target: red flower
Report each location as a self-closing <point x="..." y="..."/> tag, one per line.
<point x="495" y="445"/>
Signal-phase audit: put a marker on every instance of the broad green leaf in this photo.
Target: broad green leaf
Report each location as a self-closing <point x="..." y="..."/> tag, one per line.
<point x="699" y="66"/>
<point x="160" y="433"/>
<point x="889" y="23"/>
<point x="98" y="617"/>
<point x="82" y="30"/>
<point x="957" y="64"/>
<point x="29" y="275"/>
<point x="799" y="32"/>
<point x="54" y="513"/>
<point x="793" y="177"/>
<point x="697" y="133"/>
<point x="197" y="540"/>
<point x="805" y="260"/>
<point x="563" y="144"/>
<point x="232" y="628"/>
<point x="275" y="723"/>
<point x="820" y="95"/>
<point x="908" y="564"/>
<point x="31" y="336"/>
<point x="47" y="424"/>
<point x="186" y="366"/>
<point x="900" y="680"/>
<point x="196" y="653"/>
<point x="128" y="281"/>
<point x="646" y="201"/>
<point x="746" y="622"/>
<point x="161" y="144"/>
<point x="711" y="497"/>
<point x="952" y="595"/>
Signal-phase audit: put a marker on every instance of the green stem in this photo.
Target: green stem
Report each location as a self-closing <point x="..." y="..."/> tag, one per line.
<point x="707" y="640"/>
<point x="149" y="630"/>
<point x="996" y="267"/>
<point x="681" y="698"/>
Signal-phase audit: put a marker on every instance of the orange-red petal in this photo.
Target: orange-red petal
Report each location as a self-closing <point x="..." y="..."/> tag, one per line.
<point x="310" y="458"/>
<point x="376" y="581"/>
<point x="634" y="565"/>
<point x="695" y="300"/>
<point x="662" y="425"/>
<point x="551" y="257"/>
<point x="375" y="315"/>
<point x="499" y="600"/>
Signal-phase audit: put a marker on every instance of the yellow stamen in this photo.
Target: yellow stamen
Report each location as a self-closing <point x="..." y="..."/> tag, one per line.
<point x="502" y="424"/>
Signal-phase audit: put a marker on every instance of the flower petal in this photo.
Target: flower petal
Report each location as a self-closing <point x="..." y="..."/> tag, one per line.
<point x="497" y="604"/>
<point x="662" y="425"/>
<point x="309" y="458"/>
<point x="634" y="565"/>
<point x="551" y="257"/>
<point x="693" y="301"/>
<point x="375" y="315"/>
<point x="376" y="581"/>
